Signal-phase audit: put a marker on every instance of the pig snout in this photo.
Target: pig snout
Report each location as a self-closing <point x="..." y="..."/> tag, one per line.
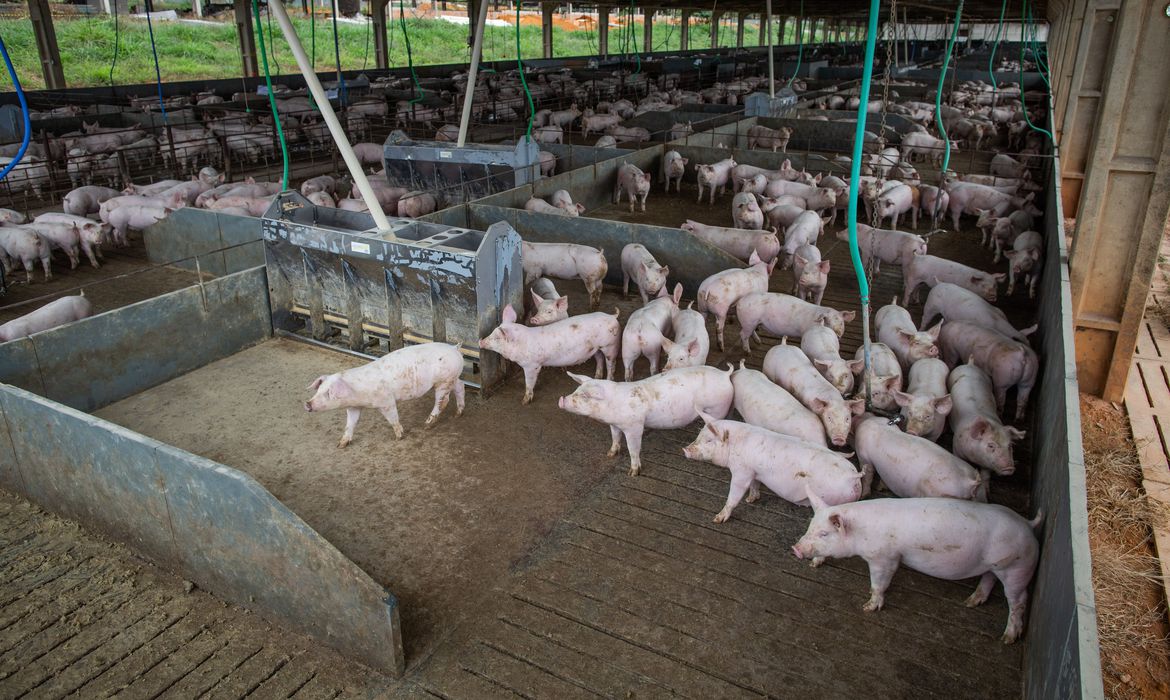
<point x="309" y="406"/>
<point x="797" y="551"/>
<point x="561" y="402"/>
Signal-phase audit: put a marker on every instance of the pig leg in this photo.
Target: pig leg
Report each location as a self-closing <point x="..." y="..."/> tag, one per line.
<point x="914" y="217"/>
<point x="460" y="390"/>
<point x="45" y="262"/>
<point x="351" y="419"/>
<point x="1032" y="280"/>
<point x="600" y="357"/>
<point x="74" y="256"/>
<point x="745" y="334"/>
<point x="442" y="393"/>
<point x="700" y="193"/>
<point x="653" y="357"/>
<point x="634" y="445"/>
<point x="28" y="270"/>
<point x="740" y="484"/>
<point x="629" y="357"/>
<point x="626" y="285"/>
<point x="1015" y="588"/>
<point x="89" y="253"/>
<point x="881" y="572"/>
<point x="720" y="322"/>
<point x="530" y="375"/>
<point x="642" y="201"/>
<point x="754" y="492"/>
<point x="615" y="447"/>
<point x="982" y="591"/>
<point x="633" y="197"/>
<point x="390" y="413"/>
<point x="1022" y="392"/>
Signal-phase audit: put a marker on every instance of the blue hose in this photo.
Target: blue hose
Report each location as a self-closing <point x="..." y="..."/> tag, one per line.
<point x="157" y="72"/>
<point x="24" y="110"/>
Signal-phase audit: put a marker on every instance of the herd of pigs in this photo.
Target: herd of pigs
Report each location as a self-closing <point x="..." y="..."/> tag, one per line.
<point x="953" y="370"/>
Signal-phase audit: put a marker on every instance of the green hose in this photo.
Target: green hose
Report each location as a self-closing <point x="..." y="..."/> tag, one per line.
<point x="995" y="49"/>
<point x="409" y="58"/>
<point x="799" y="51"/>
<point x="1027" y="118"/>
<point x="271" y="96"/>
<point x="523" y="80"/>
<point x="942" y="130"/>
<point x="1041" y="64"/>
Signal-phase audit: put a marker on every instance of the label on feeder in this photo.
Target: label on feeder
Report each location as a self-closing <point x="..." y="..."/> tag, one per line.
<point x="360" y="247"/>
<point x="444" y="154"/>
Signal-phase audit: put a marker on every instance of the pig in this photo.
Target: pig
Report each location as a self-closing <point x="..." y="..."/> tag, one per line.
<point x="815" y="198"/>
<point x="681" y="131"/>
<point x="781" y="214"/>
<point x="547" y="304"/>
<point x="789" y="367"/>
<point x="63" y="235"/>
<point x="352" y="204"/>
<point x="55" y="313"/>
<point x="598" y="123"/>
<point x="322" y="199"/>
<point x="884" y="375"/>
<point x="930" y="270"/>
<point x="566" y="261"/>
<point x="134" y="216"/>
<point x="911" y="466"/>
<point x="879" y="246"/>
<point x="628" y="133"/>
<point x="691" y="342"/>
<point x="416" y="204"/>
<point x="933" y="201"/>
<point x="666" y="401"/>
<point x="736" y="242"/>
<point x="564" y="118"/>
<point x="1003" y="165"/>
<point x="30" y="175"/>
<point x="927" y="146"/>
<point x="646" y="329"/>
<point x="946" y="538"/>
<point x="896" y="329"/>
<point x="674" y="166"/>
<point x="563" y="200"/>
<point x="10" y="216"/>
<point x="714" y="176"/>
<point x="969" y="198"/>
<point x="787" y="466"/>
<point x="634" y="182"/>
<point x="402" y="375"/>
<point x="745" y="212"/>
<point x="548" y="163"/>
<point x="763" y="137"/>
<point x="1008" y="362"/>
<point x="756" y="184"/>
<point x="822" y="346"/>
<point x="979" y="435"/>
<point x="641" y="267"/>
<point x="549" y="134"/>
<point x="719" y="292"/>
<point x="1025" y="260"/>
<point x="321" y="183"/>
<point x="956" y="303"/>
<point x="539" y="206"/>
<point x="606" y="141"/>
<point x="369" y="153"/>
<point x="760" y="402"/>
<point x="784" y="315"/>
<point x="172" y="201"/>
<point x="21" y="243"/>
<point x="541" y="117"/>
<point x="785" y="172"/>
<point x="447" y="132"/>
<point x="804" y="231"/>
<point x="926" y="402"/>
<point x="810" y="274"/>
<point x="897" y="201"/>
<point x="562" y="343"/>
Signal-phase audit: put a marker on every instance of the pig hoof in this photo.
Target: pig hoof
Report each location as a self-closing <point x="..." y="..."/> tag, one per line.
<point x="871" y="606"/>
<point x="816" y="562"/>
<point x="613" y="452"/>
<point x="343" y="442"/>
<point x="398" y="432"/>
<point x="634" y="471"/>
<point x="720" y="518"/>
<point x="975" y="600"/>
<point x="526" y="400"/>
<point x="1010" y="637"/>
<point x="753" y="497"/>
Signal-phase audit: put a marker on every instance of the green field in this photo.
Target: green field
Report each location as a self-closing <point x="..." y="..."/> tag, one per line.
<point x="188" y="51"/>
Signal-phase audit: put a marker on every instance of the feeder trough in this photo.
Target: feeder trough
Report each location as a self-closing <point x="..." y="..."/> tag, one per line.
<point x="460" y="174"/>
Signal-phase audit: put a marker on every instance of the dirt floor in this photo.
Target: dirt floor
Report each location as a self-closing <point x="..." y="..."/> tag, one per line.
<point x="1131" y="609"/>
<point x="125" y="277"/>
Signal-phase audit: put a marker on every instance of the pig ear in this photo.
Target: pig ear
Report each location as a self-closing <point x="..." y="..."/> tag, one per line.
<point x="708" y="421"/>
<point x="848" y="316"/>
<point x="902" y="398"/>
<point x="509" y="315"/>
<point x="856" y="366"/>
<point x="976" y="279"/>
<point x="1000" y="277"/>
<point x="693" y="347"/>
<point x="935" y="331"/>
<point x="856" y="406"/>
<point x="755" y="258"/>
<point x="814" y="500"/>
<point x="581" y="208"/>
<point x="823" y="266"/>
<point x="818" y="406"/>
<point x="979" y="428"/>
<point x="579" y="378"/>
<point x="667" y="344"/>
<point x="562" y="303"/>
<point x="838" y="522"/>
<point x="536" y="298"/>
<point x="905" y="334"/>
<point x="316" y="383"/>
<point x="944" y="404"/>
<point x="822" y="364"/>
<point x="678" y="292"/>
<point x="891" y="383"/>
<point x="1016" y="433"/>
<point x="800" y="260"/>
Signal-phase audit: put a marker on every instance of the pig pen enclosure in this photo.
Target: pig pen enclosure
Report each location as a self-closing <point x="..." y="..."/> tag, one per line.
<point x="501" y="552"/>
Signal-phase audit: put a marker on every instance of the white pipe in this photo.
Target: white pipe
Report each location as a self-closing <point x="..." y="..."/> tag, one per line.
<point x="472" y="72"/>
<point x="322" y="100"/>
<point x="771" y="65"/>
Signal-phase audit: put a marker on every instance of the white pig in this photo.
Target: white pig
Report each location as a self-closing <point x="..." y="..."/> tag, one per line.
<point x="646" y="329"/>
<point x="691" y="342"/>
<point x="791" y="369"/>
<point x="402" y="375"/>
<point x="563" y="200"/>
<point x="941" y="537"/>
<point x="1008" y="362"/>
<point x="761" y="402"/>
<point x="879" y="246"/>
<point x="737" y="242"/>
<point x="714" y="176"/>
<point x="1024" y="261"/>
<point x="925" y="404"/>
<point x="896" y="329"/>
<point x="566" y="261"/>
<point x="561" y="344"/>
<point x="669" y="400"/>
<point x="21" y="243"/>
<point x="884" y="375"/>
<point x="823" y="347"/>
<point x="55" y="313"/>
<point x="783" y="315"/>
<point x="745" y="212"/>
<point x="719" y="292"/>
<point x="810" y="274"/>
<point x="911" y="466"/>
<point x="955" y="303"/>
<point x="641" y="267"/>
<point x="979" y="436"/>
<point x="930" y="270"/>
<point x="789" y="467"/>
<point x="634" y="182"/>
<point x="547" y="304"/>
<point x="674" y="166"/>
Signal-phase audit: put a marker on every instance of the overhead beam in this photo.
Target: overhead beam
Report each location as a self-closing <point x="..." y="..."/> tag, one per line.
<point x="247" y="37"/>
<point x="1125" y="199"/>
<point x="381" y="44"/>
<point x="546" y="27"/>
<point x="46" y="38"/>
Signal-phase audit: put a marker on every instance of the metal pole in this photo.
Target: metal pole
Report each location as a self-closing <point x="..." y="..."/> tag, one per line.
<point x="322" y="100"/>
<point x="771" y="61"/>
<point x="472" y="72"/>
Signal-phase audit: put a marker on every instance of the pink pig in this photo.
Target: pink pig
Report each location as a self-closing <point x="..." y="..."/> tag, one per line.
<point x="810" y="274"/>
<point x="714" y="176"/>
<point x="737" y="242"/>
<point x="913" y="467"/>
<point x="761" y="402"/>
<point x="719" y="292"/>
<point x="791" y="369"/>
<point x="635" y="183"/>
<point x="896" y="329"/>
<point x="641" y="267"/>
<point x="1008" y="362"/>
<point x="646" y="329"/>
<point x="925" y="404"/>
<point x="784" y="315"/>
<point x="691" y="342"/>
<point x="979" y="436"/>
<point x="930" y="270"/>
<point x="956" y="303"/>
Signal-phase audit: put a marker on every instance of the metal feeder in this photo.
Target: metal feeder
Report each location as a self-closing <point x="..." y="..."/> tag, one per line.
<point x="461" y="173"/>
<point x="333" y="275"/>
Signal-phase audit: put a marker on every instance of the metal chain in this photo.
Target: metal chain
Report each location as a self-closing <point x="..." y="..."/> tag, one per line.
<point x="875" y="220"/>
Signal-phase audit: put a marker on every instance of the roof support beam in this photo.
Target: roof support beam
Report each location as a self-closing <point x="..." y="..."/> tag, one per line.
<point x="246" y="37"/>
<point x="46" y="38"/>
<point x="1125" y="199"/>
<point x="647" y="29"/>
<point x="546" y="27"/>
<point x="603" y="32"/>
<point x="381" y="45"/>
<point x="684" y="31"/>
<point x="715" y="17"/>
<point x="740" y="18"/>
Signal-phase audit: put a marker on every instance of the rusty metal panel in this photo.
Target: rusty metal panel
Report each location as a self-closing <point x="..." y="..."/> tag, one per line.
<point x="209" y="523"/>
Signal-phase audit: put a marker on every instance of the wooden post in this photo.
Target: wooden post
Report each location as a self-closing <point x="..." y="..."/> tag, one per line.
<point x="546" y="26"/>
<point x="603" y="32"/>
<point x="647" y="29"/>
<point x="684" y="31"/>
<point x="715" y="29"/>
<point x="381" y="44"/>
<point x="740" y="20"/>
<point x="783" y="28"/>
<point x="46" y="38"/>
<point x="763" y="29"/>
<point x="1125" y="199"/>
<point x="196" y="6"/>
<point x="243" y="10"/>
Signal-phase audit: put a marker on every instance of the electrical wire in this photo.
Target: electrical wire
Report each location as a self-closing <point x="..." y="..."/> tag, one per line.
<point x="157" y="72"/>
<point x="410" y="58"/>
<point x="855" y="183"/>
<point x="117" y="41"/>
<point x="523" y="80"/>
<point x="337" y="58"/>
<point x="271" y="95"/>
<point x="799" y="51"/>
